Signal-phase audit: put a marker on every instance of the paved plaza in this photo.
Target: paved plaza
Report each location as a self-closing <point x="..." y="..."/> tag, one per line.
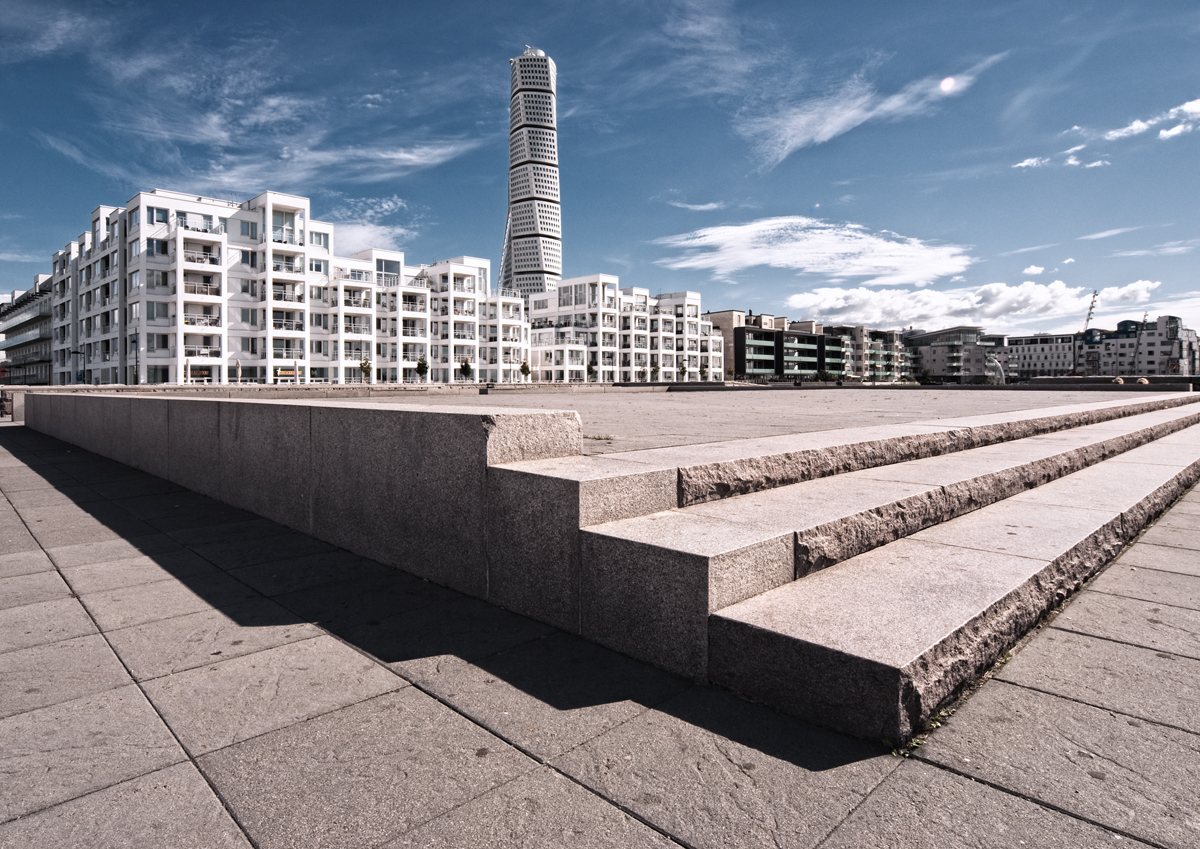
<point x="629" y="420"/>
<point x="175" y="672"/>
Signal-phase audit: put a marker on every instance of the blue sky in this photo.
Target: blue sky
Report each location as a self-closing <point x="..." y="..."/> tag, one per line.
<point x="890" y="163"/>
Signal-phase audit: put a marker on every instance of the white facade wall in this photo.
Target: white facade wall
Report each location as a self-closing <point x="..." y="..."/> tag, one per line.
<point x="175" y="288"/>
<point x="623" y="335"/>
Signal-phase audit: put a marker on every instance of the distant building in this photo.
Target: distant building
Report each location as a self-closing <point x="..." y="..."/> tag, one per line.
<point x="769" y="346"/>
<point x="873" y="355"/>
<point x="25" y="335"/>
<point x="592" y="330"/>
<point x="176" y="288"/>
<point x="1136" y="348"/>
<point x="956" y="354"/>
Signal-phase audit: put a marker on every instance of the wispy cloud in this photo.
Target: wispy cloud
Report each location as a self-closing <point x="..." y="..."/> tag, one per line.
<point x="811" y="246"/>
<point x="1097" y="164"/>
<point x="698" y="207"/>
<point x="372" y="223"/>
<point x="20" y="256"/>
<point x="1104" y="234"/>
<point x="1068" y="260"/>
<point x="1034" y="269"/>
<point x="1188" y="114"/>
<point x="1029" y="250"/>
<point x="778" y="130"/>
<point x="1185" y="246"/>
<point x="32" y="31"/>
<point x="998" y="306"/>
<point x="1032" y="162"/>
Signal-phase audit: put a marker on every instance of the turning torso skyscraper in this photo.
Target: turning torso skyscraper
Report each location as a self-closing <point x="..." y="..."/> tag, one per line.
<point x="532" y="258"/>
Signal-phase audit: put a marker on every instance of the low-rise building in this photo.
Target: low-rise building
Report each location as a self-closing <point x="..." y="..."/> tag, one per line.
<point x="956" y="354"/>
<point x="177" y="288"/>
<point x="25" y="334"/>
<point x="591" y="330"/>
<point x="1137" y="348"/>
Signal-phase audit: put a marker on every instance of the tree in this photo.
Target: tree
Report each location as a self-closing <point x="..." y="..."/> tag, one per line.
<point x="682" y="369"/>
<point x="591" y="371"/>
<point x="422" y="368"/>
<point x="654" y="372"/>
<point x="704" y="372"/>
<point x="465" y="368"/>
<point x="365" y="368"/>
<point x="524" y="369"/>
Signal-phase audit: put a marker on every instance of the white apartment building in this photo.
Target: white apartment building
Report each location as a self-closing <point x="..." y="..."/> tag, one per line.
<point x="178" y="288"/>
<point x="592" y="330"/>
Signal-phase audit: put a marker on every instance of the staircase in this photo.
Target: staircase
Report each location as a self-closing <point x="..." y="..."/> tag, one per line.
<point x="858" y="578"/>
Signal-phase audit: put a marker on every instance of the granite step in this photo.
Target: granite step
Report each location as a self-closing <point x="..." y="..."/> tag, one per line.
<point x="877" y="643"/>
<point x="536" y="508"/>
<point x="648" y="584"/>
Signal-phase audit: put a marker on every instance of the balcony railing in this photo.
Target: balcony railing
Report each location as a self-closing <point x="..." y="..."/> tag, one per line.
<point x="286" y="295"/>
<point x="285" y="236"/>
<point x="201" y="351"/>
<point x="287" y="353"/>
<point x="359" y="329"/>
<point x="411" y="306"/>
<point x="203" y="227"/>
<point x="281" y="267"/>
<point x="288" y="324"/>
<point x="202" y="258"/>
<point x="391" y="281"/>
<point x="458" y="334"/>
<point x="414" y="332"/>
<point x="357" y="303"/>
<point x="202" y="320"/>
<point x="354" y="275"/>
<point x="208" y="289"/>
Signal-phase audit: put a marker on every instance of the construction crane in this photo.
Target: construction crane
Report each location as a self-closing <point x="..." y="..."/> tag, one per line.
<point x="1086" y="322"/>
<point x="1137" y="347"/>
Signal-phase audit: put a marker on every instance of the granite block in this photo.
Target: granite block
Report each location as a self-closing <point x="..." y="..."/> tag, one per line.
<point x="247" y="552"/>
<point x="549" y="695"/>
<point x="167" y="646"/>
<point x="715" y="771"/>
<point x="649" y="584"/>
<point x="338" y="605"/>
<point x="13" y="563"/>
<point x="37" y="587"/>
<point x="63" y="751"/>
<point x="265" y="454"/>
<point x="918" y="805"/>
<point x="108" y="429"/>
<point x="1144" y="623"/>
<point x="150" y="436"/>
<point x="38" y="676"/>
<point x="45" y="622"/>
<point x="222" y="703"/>
<point x="172" y="807"/>
<point x="541" y="808"/>
<point x="362" y="775"/>
<point x="1173" y="588"/>
<point x="302" y="571"/>
<point x="1125" y="774"/>
<point x="194" y="445"/>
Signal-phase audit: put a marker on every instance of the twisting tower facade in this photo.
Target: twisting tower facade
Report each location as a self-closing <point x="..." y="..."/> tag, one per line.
<point x="532" y="257"/>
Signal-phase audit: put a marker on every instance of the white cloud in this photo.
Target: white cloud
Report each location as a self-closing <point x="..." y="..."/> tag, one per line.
<point x="1029" y="250"/>
<point x="31" y="31"/>
<point x="1185" y="246"/>
<point x="1076" y="148"/>
<point x="18" y="256"/>
<point x="1072" y="160"/>
<point x="352" y="237"/>
<point x="1034" y="269"/>
<point x="698" y="207"/>
<point x="1188" y="114"/>
<point x="778" y="130"/>
<point x="1104" y="234"/>
<point x="1032" y="162"/>
<point x="812" y="246"/>
<point x="363" y="223"/>
<point x="997" y="306"/>
<point x="1068" y="260"/>
<point x="1098" y="163"/>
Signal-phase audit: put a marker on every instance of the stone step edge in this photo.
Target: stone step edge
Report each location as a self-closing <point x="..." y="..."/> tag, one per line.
<point x="961" y="657"/>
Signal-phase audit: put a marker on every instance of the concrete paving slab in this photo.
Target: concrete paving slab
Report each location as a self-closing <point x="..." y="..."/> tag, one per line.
<point x="1128" y="775"/>
<point x="232" y="531"/>
<point x="1174" y="536"/>
<point x="224" y="703"/>
<point x="1183" y="514"/>
<point x="127" y="606"/>
<point x="362" y="775"/>
<point x="15" y="537"/>
<point x="465" y="628"/>
<point x="84" y="530"/>
<point x="341" y="604"/>
<point x="43" y="477"/>
<point x="1150" y="585"/>
<point x="33" y="588"/>
<point x="45" y="675"/>
<point x="1144" y="623"/>
<point x="918" y="805"/>
<point x="168" y="646"/>
<point x="549" y="695"/>
<point x="247" y="552"/>
<point x="63" y="751"/>
<point x="135" y="486"/>
<point x="113" y="574"/>
<point x="60" y="496"/>
<point x="1161" y="557"/>
<point x="716" y="771"/>
<point x="541" y="808"/>
<point x="45" y="622"/>
<point x="289" y="574"/>
<point x="117" y="549"/>
<point x="166" y="505"/>
<point x="173" y="807"/>
<point x="13" y="563"/>
<point x="1152" y="685"/>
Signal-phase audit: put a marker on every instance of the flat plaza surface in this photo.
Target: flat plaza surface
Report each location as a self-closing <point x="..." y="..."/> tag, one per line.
<point x="630" y="420"/>
<point x="178" y="673"/>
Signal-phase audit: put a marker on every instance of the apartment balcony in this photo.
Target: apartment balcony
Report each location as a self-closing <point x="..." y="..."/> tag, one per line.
<point x="412" y="307"/>
<point x="211" y="290"/>
<point x="353" y="275"/>
<point x="283" y="267"/>
<point x="202" y="257"/>
<point x="464" y="287"/>
<point x="201" y="320"/>
<point x="206" y="227"/>
<point x="464" y="312"/>
<point x="417" y="282"/>
<point x="357" y="303"/>
<point x="413" y="332"/>
<point x="289" y="296"/>
<point x="287" y="353"/>
<point x="293" y="325"/>
<point x="356" y="356"/>
<point x="391" y="281"/>
<point x="201" y="351"/>
<point x="287" y="236"/>
<point x="458" y="334"/>
<point x="357" y="329"/>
